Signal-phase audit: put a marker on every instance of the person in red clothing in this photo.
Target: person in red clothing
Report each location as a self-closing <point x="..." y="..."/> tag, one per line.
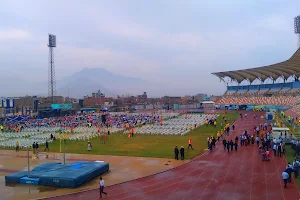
<point x="190" y="144"/>
<point x="132" y="132"/>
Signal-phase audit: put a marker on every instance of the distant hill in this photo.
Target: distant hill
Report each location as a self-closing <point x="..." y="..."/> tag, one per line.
<point x="90" y="80"/>
<point x="83" y="83"/>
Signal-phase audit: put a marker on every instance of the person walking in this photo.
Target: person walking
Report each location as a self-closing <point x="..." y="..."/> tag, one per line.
<point x="274" y="149"/>
<point x="285" y="177"/>
<point x="214" y="141"/>
<point x="182" y="153"/>
<point x="257" y="140"/>
<point x="228" y="146"/>
<point x="289" y="170"/>
<point x="218" y="135"/>
<point x="296" y="168"/>
<point x="47" y="146"/>
<point x="279" y="150"/>
<point x="102" y="187"/>
<point x="242" y="140"/>
<point x="236" y="145"/>
<point x="190" y="144"/>
<point x="176" y="152"/>
<point x="224" y="143"/>
<point x="231" y="144"/>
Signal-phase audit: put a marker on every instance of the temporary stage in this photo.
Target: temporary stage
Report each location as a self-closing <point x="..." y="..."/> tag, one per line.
<point x="70" y="175"/>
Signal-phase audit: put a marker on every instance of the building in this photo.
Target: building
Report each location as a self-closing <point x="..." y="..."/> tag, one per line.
<point x="98" y="94"/>
<point x="97" y="102"/>
<point x="142" y="98"/>
<point x="45" y="102"/>
<point x="26" y="105"/>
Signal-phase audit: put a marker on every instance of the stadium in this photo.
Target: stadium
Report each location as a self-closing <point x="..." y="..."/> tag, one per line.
<point x="244" y="145"/>
<point x="282" y="93"/>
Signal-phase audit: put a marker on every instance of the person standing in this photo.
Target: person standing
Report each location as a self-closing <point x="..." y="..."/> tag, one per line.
<point x="182" y="153"/>
<point x="33" y="147"/>
<point x="233" y="127"/>
<point x="132" y="132"/>
<point x="214" y="141"/>
<point x="17" y="146"/>
<point x="36" y="148"/>
<point x="285" y="177"/>
<point x="176" y="152"/>
<point x="89" y="146"/>
<point x="102" y="187"/>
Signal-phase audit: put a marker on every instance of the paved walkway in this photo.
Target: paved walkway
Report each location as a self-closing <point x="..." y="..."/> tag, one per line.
<point x="217" y="175"/>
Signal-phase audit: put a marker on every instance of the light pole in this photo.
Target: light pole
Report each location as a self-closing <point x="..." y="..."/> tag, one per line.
<point x="64" y="151"/>
<point x="28" y="162"/>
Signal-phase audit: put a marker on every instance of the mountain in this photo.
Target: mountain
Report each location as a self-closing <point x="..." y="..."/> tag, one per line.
<point x="91" y="80"/>
<point x="83" y="83"/>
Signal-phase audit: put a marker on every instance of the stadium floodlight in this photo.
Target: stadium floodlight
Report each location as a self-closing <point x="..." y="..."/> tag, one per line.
<point x="297" y="28"/>
<point x="52" y="41"/>
<point x="51" y="68"/>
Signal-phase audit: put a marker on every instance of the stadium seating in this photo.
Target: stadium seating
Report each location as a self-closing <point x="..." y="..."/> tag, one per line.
<point x="274" y="100"/>
<point x="176" y="126"/>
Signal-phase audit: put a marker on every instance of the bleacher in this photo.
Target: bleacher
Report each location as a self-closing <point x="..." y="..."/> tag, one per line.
<point x="274" y="100"/>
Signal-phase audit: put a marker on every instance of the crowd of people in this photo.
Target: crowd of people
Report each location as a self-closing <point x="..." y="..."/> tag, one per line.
<point x="119" y="120"/>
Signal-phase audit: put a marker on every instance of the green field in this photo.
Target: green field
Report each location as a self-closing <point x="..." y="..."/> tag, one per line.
<point x="160" y="146"/>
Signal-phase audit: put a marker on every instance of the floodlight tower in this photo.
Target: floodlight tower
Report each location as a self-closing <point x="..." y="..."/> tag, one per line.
<point x="51" y="69"/>
<point x="297" y="28"/>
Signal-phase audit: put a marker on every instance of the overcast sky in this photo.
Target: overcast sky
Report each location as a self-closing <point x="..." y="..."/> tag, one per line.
<point x="178" y="42"/>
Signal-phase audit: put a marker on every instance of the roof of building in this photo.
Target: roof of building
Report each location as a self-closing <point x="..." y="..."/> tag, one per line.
<point x="285" y="69"/>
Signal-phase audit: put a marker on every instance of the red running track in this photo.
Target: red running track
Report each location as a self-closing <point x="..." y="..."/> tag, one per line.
<point x="216" y="175"/>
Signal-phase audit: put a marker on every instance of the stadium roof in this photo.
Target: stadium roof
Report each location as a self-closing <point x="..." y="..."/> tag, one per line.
<point x="285" y="69"/>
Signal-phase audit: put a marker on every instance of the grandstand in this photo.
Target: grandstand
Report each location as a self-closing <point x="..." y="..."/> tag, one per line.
<point x="285" y="92"/>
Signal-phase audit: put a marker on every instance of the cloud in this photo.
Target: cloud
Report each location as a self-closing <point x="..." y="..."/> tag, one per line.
<point x="75" y="58"/>
<point x="14" y="34"/>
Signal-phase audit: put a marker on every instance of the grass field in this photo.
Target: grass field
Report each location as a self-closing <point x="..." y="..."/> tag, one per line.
<point x="146" y="145"/>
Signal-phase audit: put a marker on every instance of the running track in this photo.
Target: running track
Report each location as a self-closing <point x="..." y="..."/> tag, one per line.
<point x="216" y="175"/>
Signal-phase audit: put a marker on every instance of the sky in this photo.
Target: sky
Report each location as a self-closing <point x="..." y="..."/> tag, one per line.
<point x="175" y="42"/>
